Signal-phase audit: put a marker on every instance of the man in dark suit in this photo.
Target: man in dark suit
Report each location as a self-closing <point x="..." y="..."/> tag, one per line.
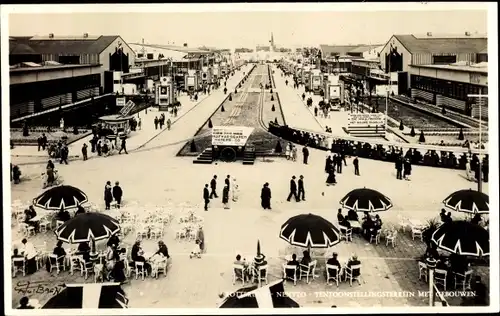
<point x="213" y="186"/>
<point x="293" y="190"/>
<point x="227" y="181"/>
<point x="399" y="168"/>
<point x="355" y="162"/>
<point x="117" y="194"/>
<point x="302" y="192"/>
<point x="339" y="163"/>
<point x="305" y="152"/>
<point x="340" y="217"/>
<point x="206" y="196"/>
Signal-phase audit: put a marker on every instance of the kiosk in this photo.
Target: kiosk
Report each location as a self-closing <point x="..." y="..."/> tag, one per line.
<point x="165" y="94"/>
<point x="228" y="142"/>
<point x="118" y="123"/>
<point x="215" y="73"/>
<point x="206" y="75"/>
<point x="192" y="83"/>
<point x="315" y="81"/>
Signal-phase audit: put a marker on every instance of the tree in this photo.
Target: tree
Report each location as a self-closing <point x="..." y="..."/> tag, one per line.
<point x="222" y="109"/>
<point x="271" y="90"/>
<point x="210" y="125"/>
<point x="75" y="130"/>
<point x="401" y="126"/>
<point x="303" y="96"/>
<point x="443" y="110"/>
<point x="412" y="132"/>
<point x="235" y="91"/>
<point x="278" y="148"/>
<point x="276" y="120"/>
<point x="272" y="97"/>
<point x="461" y="134"/>
<point x="192" y="146"/>
<point x="273" y="109"/>
<point x="421" y="139"/>
<point x="230" y="97"/>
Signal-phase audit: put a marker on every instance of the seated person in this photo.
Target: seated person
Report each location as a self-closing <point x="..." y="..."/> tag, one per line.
<point x="196" y="252"/>
<point x="137" y="254"/>
<point x="345" y="223"/>
<point x="162" y="250"/>
<point x="431" y="251"/>
<point x="293" y="262"/>
<point x="352" y="215"/>
<point x="476" y="219"/>
<point x="240" y="262"/>
<point x="333" y="261"/>
<point x="24" y="303"/>
<point x="59" y="252"/>
<point x="377" y="224"/>
<point x="80" y="210"/>
<point x="118" y="270"/>
<point x="113" y="240"/>
<point x="306" y="259"/>
<point x="17" y="255"/>
<point x="458" y="263"/>
<point x="84" y="251"/>
<point x="352" y="262"/>
<point x="340" y="217"/>
<point x="448" y="218"/>
<point x="63" y="215"/>
<point x="442" y="215"/>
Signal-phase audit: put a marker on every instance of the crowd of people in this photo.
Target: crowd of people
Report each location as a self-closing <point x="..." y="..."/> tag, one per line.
<point x="230" y="191"/>
<point x="433" y="158"/>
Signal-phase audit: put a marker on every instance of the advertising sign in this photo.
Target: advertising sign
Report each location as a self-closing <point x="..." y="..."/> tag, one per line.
<point x="316" y="80"/>
<point x="334" y="92"/>
<point x="366" y="119"/>
<point x="190" y="81"/>
<point x="230" y="135"/>
<point x="163" y="91"/>
<point x="120" y="102"/>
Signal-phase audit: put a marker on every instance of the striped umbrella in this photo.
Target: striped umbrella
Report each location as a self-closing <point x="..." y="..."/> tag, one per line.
<point x="87" y="226"/>
<point x="311" y="231"/>
<point x="89" y="295"/>
<point x="462" y="238"/>
<point x="468" y="201"/>
<point x="366" y="200"/>
<point x="63" y="196"/>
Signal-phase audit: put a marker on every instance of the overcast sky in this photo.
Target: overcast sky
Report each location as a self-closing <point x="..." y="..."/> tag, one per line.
<point x="247" y="29"/>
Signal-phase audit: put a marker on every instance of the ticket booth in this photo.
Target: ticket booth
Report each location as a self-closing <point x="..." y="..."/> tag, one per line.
<point x="165" y="93"/>
<point x="316" y="81"/>
<point x="331" y="88"/>
<point x="191" y="81"/>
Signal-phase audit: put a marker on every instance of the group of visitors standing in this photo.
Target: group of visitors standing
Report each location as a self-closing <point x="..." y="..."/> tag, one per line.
<point x="111" y="193"/>
<point x="230" y="189"/>
<point x="160" y="121"/>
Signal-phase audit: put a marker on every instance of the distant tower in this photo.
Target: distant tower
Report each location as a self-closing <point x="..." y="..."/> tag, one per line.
<point x="272" y="41"/>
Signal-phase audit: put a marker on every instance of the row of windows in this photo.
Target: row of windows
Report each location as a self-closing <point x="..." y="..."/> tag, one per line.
<point x="452" y="89"/>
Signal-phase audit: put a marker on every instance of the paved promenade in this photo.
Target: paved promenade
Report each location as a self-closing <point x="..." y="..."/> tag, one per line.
<point x="296" y="114"/>
<point x="194" y="112"/>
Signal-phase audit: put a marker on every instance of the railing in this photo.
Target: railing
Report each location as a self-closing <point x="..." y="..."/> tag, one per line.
<point x="378" y="149"/>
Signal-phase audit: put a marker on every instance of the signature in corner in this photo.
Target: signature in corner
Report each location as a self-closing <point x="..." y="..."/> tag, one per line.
<point x="38" y="287"/>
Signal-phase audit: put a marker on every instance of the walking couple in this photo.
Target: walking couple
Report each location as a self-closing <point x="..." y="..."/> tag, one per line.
<point x="230" y="188"/>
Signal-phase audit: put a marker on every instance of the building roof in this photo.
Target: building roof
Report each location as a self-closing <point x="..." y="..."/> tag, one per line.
<point x="175" y="55"/>
<point x="62" y="45"/>
<point x="474" y="68"/>
<point x="32" y="67"/>
<point x="328" y="50"/>
<point x="442" y="45"/>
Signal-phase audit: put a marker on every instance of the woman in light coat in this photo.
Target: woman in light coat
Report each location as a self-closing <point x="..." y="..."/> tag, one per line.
<point x="468" y="170"/>
<point x="288" y="151"/>
<point x="235" y="190"/>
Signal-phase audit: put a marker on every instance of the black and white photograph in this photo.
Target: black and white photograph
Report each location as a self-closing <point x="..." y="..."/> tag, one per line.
<point x="250" y="158"/>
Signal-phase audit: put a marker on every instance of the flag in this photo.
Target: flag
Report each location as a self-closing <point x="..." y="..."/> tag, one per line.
<point x="89" y="295"/>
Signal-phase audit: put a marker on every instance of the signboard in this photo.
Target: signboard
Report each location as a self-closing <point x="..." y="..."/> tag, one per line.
<point x="190" y="81"/>
<point x="334" y="92"/>
<point x="316" y="80"/>
<point x="230" y="135"/>
<point x="366" y="119"/>
<point x="120" y="102"/>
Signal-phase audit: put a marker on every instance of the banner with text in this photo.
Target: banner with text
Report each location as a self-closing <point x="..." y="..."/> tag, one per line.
<point x="366" y="119"/>
<point x="120" y="102"/>
<point x="230" y="135"/>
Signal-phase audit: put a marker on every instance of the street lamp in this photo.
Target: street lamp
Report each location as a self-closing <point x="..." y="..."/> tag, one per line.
<point x="431" y="265"/>
<point x="480" y="102"/>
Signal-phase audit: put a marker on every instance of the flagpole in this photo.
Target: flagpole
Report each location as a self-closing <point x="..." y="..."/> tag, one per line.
<point x="480" y="96"/>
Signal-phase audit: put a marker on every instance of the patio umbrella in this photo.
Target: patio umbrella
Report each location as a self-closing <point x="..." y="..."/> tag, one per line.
<point x="366" y="200"/>
<point x="462" y="238"/>
<point x="468" y="201"/>
<point x="89" y="295"/>
<point x="269" y="296"/>
<point x="258" y="247"/>
<point x="84" y="227"/>
<point x="311" y="231"/>
<point x="65" y="196"/>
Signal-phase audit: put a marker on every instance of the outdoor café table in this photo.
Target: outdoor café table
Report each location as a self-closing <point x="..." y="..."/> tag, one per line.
<point x="36" y="218"/>
<point x="355" y="224"/>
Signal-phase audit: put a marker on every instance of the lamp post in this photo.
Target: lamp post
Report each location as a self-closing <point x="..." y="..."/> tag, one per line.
<point x="480" y="103"/>
<point x="431" y="265"/>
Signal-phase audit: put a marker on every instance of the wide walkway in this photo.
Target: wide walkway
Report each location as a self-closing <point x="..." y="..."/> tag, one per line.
<point x="296" y="114"/>
<point x="194" y="119"/>
<point x="148" y="136"/>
